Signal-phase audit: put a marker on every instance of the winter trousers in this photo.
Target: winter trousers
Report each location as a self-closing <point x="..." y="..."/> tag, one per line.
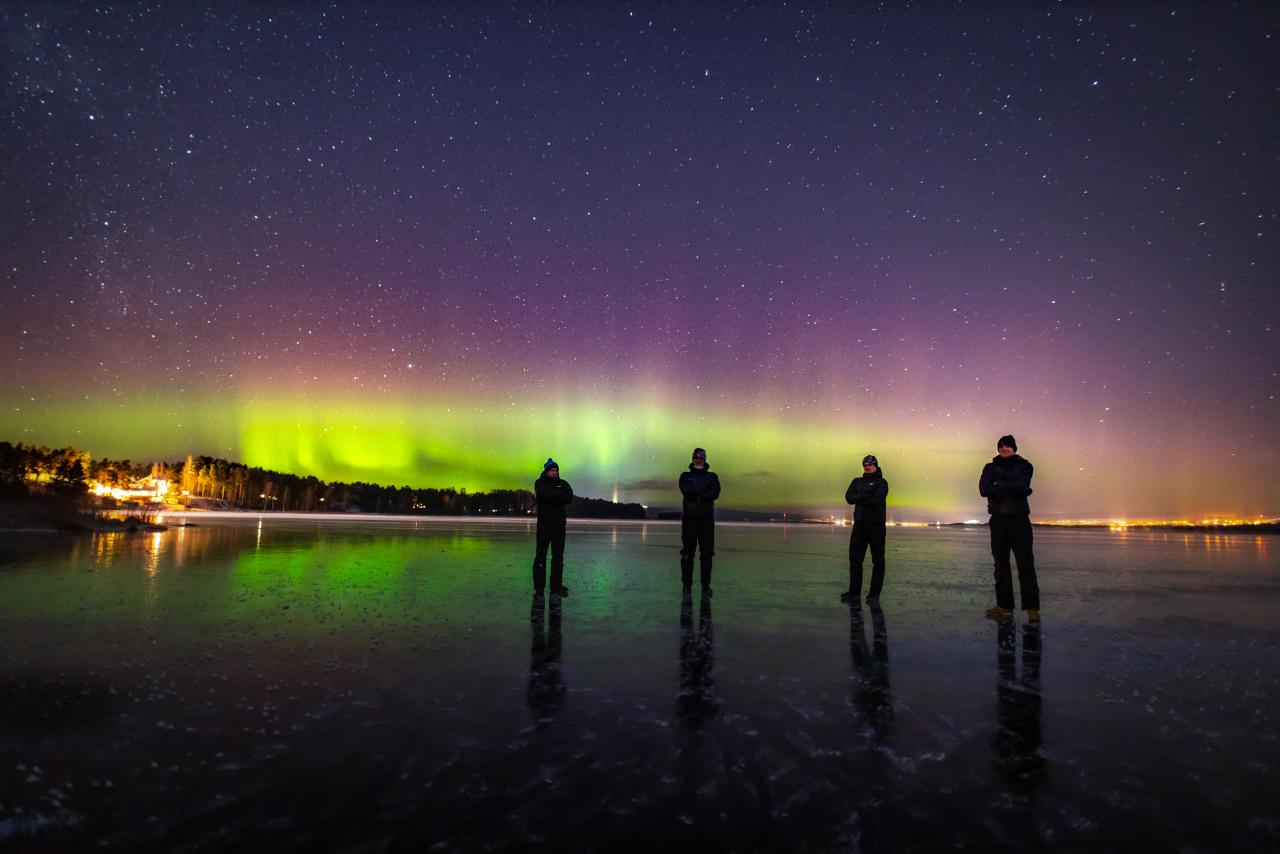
<point x="1013" y="533"/>
<point x="866" y="534"/>
<point x="551" y="534"/>
<point x="697" y="533"/>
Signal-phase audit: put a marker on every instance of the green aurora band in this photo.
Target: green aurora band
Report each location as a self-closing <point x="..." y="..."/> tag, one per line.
<point x="632" y="451"/>
<point x="639" y="451"/>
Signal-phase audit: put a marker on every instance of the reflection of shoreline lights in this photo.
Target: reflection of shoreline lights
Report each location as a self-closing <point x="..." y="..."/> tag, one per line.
<point x="153" y="553"/>
<point x="1111" y="524"/>
<point x="1125" y="524"/>
<point x="845" y="522"/>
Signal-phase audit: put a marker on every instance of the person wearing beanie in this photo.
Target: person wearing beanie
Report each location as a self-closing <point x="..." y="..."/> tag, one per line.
<point x="553" y="495"/>
<point x="1006" y="483"/>
<point x="868" y="494"/>
<point x="700" y="487"/>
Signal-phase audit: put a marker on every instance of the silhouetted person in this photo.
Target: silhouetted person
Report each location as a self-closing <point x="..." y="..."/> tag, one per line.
<point x="1006" y="483"/>
<point x="696" y="704"/>
<point x="546" y="687"/>
<point x="700" y="487"/>
<point x="871" y="694"/>
<point x="867" y="494"/>
<point x="554" y="495"/>
<point x="1016" y="741"/>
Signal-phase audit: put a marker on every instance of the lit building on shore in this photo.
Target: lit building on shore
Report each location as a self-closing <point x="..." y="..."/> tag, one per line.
<point x="153" y="490"/>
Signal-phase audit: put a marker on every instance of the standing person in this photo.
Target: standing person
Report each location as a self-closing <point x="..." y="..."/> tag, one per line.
<point x="553" y="496"/>
<point x="1006" y="483"/>
<point x="700" y="487"/>
<point x="867" y="494"/>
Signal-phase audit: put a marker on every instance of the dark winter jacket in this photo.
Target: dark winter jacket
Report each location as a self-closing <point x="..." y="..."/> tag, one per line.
<point x="1006" y="483"/>
<point x="700" y="490"/>
<point x="867" y="494"/>
<point x="553" y="494"/>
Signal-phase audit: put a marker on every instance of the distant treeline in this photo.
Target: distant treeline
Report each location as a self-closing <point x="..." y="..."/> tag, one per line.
<point x="63" y="471"/>
<point x="215" y="482"/>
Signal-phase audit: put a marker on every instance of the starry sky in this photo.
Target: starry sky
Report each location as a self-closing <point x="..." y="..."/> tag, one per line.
<point x="435" y="245"/>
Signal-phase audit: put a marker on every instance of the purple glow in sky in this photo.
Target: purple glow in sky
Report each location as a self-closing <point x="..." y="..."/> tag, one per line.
<point x="492" y="234"/>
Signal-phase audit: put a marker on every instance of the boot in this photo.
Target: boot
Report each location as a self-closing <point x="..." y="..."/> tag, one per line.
<point x="855" y="584"/>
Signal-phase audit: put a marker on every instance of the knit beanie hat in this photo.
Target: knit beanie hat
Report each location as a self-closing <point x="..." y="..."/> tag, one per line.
<point x="1007" y="442"/>
<point x="699" y="454"/>
<point x="550" y="464"/>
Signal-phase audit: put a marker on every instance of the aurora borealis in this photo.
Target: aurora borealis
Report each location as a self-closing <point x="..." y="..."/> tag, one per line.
<point x="434" y="246"/>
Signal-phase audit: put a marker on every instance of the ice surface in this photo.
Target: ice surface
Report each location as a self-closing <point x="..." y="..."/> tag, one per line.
<point x="363" y="685"/>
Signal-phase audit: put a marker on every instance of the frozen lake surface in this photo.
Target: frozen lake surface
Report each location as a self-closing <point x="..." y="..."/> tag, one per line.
<point x="392" y="685"/>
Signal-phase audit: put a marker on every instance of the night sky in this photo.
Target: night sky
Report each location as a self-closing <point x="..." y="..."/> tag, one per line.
<point x="434" y="247"/>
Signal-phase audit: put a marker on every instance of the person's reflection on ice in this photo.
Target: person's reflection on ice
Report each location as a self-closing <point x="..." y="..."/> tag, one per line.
<point x="699" y="796"/>
<point x="696" y="702"/>
<point x="546" y="687"/>
<point x="871" y="694"/>
<point x="1016" y="742"/>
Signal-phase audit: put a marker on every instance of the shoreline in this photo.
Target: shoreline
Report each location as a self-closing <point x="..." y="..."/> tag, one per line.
<point x="195" y="515"/>
<point x="192" y="518"/>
